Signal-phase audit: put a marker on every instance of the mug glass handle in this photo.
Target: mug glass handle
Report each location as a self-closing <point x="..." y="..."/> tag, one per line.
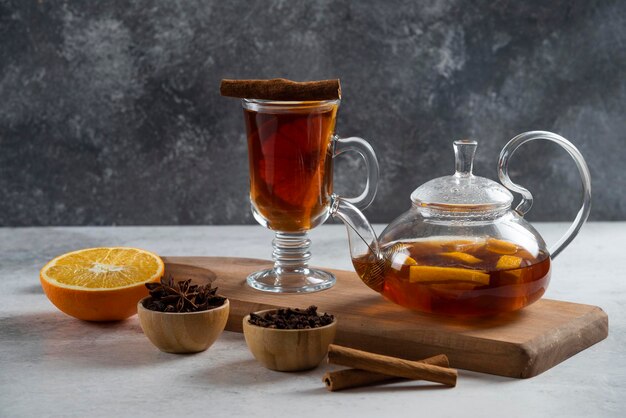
<point x="365" y="150"/>
<point x="527" y="198"/>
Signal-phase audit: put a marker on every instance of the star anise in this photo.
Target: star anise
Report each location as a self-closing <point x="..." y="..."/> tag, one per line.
<point x="182" y="296"/>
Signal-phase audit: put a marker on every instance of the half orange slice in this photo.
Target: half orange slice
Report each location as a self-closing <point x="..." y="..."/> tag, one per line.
<point x="100" y="284"/>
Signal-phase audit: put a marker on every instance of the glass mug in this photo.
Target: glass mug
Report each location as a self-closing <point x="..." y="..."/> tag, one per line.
<point x="291" y="149"/>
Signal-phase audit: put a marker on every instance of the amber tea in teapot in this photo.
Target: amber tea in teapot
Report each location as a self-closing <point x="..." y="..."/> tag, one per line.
<point x="458" y="276"/>
<point x="461" y="249"/>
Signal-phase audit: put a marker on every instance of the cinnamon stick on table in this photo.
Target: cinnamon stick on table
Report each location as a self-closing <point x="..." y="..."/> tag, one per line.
<point x="352" y="378"/>
<point x="282" y="89"/>
<point x="390" y="365"/>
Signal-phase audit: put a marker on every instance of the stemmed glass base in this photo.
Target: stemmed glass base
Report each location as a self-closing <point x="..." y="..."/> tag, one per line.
<point x="291" y="272"/>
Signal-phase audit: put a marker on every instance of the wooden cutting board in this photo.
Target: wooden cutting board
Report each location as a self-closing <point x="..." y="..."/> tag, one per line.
<point x="520" y="344"/>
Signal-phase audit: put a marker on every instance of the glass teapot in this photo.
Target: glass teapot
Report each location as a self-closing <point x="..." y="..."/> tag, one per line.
<point x="461" y="249"/>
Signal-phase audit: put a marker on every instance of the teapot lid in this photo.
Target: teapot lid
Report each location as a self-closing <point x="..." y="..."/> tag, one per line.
<point x="463" y="191"/>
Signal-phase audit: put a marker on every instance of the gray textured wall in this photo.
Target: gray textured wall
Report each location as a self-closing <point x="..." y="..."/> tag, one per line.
<point x="110" y="112"/>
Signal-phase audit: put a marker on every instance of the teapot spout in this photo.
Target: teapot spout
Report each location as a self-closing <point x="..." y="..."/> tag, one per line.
<point x="364" y="249"/>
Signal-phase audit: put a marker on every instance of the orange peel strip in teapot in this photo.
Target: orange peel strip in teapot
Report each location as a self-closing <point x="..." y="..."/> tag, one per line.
<point x="508" y="262"/>
<point x="433" y="274"/>
<point x="400" y="259"/>
<point x="499" y="246"/>
<point x="462" y="245"/>
<point x="464" y="257"/>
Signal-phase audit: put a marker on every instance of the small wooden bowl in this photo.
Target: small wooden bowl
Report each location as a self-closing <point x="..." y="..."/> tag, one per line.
<point x="189" y="332"/>
<point x="288" y="350"/>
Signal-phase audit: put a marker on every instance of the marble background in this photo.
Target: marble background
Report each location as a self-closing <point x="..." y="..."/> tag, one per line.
<point x="110" y="111"/>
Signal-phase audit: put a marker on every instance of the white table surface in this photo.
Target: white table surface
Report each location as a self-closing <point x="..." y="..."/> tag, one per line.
<point x="54" y="365"/>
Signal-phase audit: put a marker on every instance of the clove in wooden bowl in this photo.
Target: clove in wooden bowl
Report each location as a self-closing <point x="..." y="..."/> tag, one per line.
<point x="288" y="350"/>
<point x="186" y="332"/>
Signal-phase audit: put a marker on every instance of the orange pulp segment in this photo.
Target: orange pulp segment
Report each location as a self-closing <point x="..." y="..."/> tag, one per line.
<point x="508" y="262"/>
<point x="499" y="246"/>
<point x="464" y="257"/>
<point x="100" y="284"/>
<point x="433" y="274"/>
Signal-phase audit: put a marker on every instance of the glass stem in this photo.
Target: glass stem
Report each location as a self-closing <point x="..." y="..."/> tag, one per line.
<point x="291" y="253"/>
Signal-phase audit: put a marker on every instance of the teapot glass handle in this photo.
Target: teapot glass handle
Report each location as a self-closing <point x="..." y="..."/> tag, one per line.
<point x="527" y="198"/>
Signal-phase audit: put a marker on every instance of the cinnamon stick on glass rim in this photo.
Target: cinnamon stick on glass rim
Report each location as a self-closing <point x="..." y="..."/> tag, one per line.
<point x="282" y="89"/>
<point x="352" y="378"/>
<point x="390" y="365"/>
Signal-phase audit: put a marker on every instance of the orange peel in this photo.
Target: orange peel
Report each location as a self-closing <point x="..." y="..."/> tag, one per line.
<point x="434" y="274"/>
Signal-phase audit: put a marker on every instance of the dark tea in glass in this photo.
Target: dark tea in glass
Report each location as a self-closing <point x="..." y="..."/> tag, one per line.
<point x="291" y="146"/>
<point x="291" y="176"/>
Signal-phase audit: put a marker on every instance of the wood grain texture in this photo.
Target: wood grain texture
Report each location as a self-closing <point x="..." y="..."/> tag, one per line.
<point x="519" y="344"/>
<point x="187" y="332"/>
<point x="289" y="350"/>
